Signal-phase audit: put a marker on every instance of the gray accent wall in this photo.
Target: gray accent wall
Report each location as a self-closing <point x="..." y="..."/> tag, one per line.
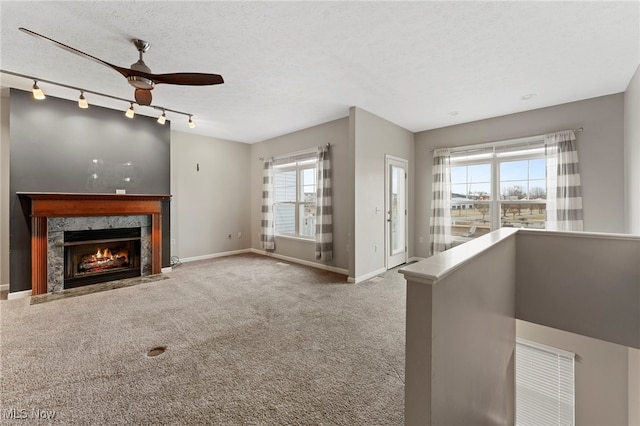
<point x="600" y="151"/>
<point x="57" y="147"/>
<point x="4" y="186"/>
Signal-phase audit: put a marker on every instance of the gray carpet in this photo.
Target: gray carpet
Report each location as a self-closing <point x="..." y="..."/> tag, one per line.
<point x="249" y="341"/>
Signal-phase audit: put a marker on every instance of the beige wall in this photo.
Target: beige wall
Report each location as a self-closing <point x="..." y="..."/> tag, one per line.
<point x="359" y="144"/>
<point x="337" y="134"/>
<point x="579" y="282"/>
<point x="600" y="151"/>
<point x="461" y="335"/>
<point x="601" y="374"/>
<point x="632" y="154"/>
<point x="374" y="138"/>
<point x="634" y="387"/>
<point x="209" y="204"/>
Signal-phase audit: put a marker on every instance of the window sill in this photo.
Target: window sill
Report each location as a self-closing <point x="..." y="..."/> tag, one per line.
<point x="294" y="238"/>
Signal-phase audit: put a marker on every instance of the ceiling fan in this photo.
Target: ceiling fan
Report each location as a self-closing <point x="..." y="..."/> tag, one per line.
<point x="139" y="75"/>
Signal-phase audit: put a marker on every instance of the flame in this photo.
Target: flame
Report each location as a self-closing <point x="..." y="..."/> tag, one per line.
<point x="104" y="254"/>
<point x="104" y="258"/>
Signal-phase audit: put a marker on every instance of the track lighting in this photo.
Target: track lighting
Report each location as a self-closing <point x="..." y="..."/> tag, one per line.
<point x="82" y="101"/>
<point x="37" y="92"/>
<point x="130" y="112"/>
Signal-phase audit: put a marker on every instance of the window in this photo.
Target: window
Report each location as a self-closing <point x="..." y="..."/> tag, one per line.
<point x="544" y="385"/>
<point x="523" y="193"/>
<point x="496" y="187"/>
<point x="295" y="197"/>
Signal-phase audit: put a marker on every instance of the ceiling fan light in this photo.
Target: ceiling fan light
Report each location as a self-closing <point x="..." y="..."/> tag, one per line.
<point x="82" y="101"/>
<point x="162" y="118"/>
<point x="130" y="112"/>
<point x="37" y="92"/>
<point x="192" y="123"/>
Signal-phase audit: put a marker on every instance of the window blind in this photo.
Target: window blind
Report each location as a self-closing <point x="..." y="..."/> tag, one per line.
<point x="544" y="385"/>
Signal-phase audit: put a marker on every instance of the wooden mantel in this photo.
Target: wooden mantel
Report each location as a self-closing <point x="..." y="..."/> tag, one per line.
<point x="47" y="204"/>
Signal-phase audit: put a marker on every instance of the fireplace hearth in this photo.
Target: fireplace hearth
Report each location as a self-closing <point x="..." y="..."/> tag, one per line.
<point x="94" y="256"/>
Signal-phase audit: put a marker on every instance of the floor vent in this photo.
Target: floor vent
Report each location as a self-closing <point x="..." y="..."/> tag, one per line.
<point x="156" y="351"/>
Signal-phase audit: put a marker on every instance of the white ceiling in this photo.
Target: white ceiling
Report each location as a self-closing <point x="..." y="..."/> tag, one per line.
<point x="292" y="65"/>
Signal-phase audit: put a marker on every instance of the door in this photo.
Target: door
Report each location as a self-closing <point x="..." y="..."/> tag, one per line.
<point x="396" y="211"/>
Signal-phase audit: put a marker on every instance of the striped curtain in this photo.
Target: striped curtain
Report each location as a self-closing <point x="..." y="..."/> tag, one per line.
<point x="440" y="221"/>
<point x="267" y="233"/>
<point x="324" y="207"/>
<point x="564" y="193"/>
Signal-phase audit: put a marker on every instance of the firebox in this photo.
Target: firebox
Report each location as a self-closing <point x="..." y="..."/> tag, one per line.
<point x="100" y="255"/>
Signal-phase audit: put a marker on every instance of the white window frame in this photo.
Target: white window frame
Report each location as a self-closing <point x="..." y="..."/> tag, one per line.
<point x="299" y="165"/>
<point x="494" y="155"/>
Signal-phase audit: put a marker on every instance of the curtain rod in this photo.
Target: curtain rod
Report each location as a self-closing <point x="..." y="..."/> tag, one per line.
<point x="293" y="154"/>
<point x="503" y="142"/>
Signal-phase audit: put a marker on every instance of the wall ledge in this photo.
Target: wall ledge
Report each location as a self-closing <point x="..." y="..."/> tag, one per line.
<point x="434" y="268"/>
<point x="580" y="234"/>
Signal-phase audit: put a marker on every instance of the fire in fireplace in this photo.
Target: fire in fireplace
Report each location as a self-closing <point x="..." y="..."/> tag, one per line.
<point x="93" y="256"/>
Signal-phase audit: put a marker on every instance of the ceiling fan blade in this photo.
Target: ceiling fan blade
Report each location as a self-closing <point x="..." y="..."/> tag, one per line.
<point x="187" y="78"/>
<point x="121" y="70"/>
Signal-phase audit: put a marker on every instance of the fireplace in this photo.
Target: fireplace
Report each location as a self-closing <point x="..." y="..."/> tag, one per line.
<point x="94" y="256"/>
<point x="52" y="213"/>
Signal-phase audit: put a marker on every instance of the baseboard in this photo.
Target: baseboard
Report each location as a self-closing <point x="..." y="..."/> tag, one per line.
<point x="380" y="271"/>
<point x="300" y="261"/>
<point x="214" y="255"/>
<point x="19" y="294"/>
<point x="266" y="253"/>
<point x="166" y="270"/>
<point x="4" y="287"/>
<point x="367" y="276"/>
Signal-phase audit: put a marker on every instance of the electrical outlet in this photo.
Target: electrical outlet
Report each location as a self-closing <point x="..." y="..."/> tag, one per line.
<point x="173" y="241"/>
<point x="239" y="235"/>
<point x="421" y="240"/>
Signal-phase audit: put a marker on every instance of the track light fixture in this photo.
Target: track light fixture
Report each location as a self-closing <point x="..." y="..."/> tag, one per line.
<point x="37" y="92"/>
<point x="130" y="112"/>
<point x="82" y="101"/>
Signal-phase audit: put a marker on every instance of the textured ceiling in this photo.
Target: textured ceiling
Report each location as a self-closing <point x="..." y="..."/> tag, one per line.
<point x="292" y="65"/>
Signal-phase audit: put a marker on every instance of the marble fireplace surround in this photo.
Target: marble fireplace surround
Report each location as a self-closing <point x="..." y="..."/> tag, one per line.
<point x="91" y="210"/>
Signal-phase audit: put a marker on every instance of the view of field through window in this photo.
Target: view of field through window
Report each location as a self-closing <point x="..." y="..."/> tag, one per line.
<point x="512" y="195"/>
